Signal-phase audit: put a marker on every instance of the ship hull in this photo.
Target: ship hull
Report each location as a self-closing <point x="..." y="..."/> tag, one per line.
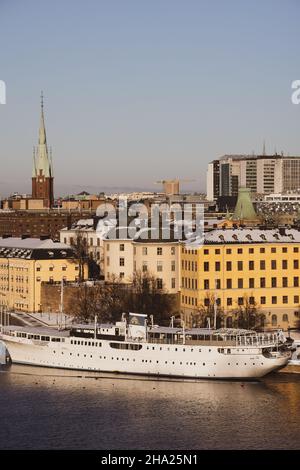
<point x="151" y="359"/>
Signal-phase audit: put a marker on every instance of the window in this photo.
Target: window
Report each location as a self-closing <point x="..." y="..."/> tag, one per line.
<point x="206" y="266"/>
<point x="296" y="264"/>
<point x="251" y="265"/>
<point x="273" y="250"/>
<point x="296" y="299"/>
<point x="91" y="242"/>
<point x="173" y="250"/>
<point x="240" y="283"/>
<point x="251" y="283"/>
<point x="274" y="320"/>
<point x="173" y="265"/>
<point x="251" y="250"/>
<point x="240" y="251"/>
<point x="240" y="265"/>
<point x="229" y="301"/>
<point x="173" y="283"/>
<point x="206" y="284"/>
<point x="285" y="299"/>
<point x="122" y="247"/>
<point x="206" y="252"/>
<point x="107" y="247"/>
<point x="251" y="301"/>
<point x="241" y="301"/>
<point x="274" y="282"/>
<point x="296" y="249"/>
<point x="159" y="283"/>
<point x="263" y="300"/>
<point x="296" y="281"/>
<point x="122" y="275"/>
<point x="159" y="250"/>
<point x="228" y="266"/>
<point x="218" y="283"/>
<point x="262" y="264"/>
<point x="284" y="282"/>
<point x="218" y="266"/>
<point x="107" y="261"/>
<point x="285" y="317"/>
<point x="145" y="251"/>
<point x="229" y="283"/>
<point x="284" y="264"/>
<point x="217" y="251"/>
<point x="122" y="261"/>
<point x="262" y="250"/>
<point x="274" y="299"/>
<point x="228" y="251"/>
<point x="145" y="267"/>
<point x="159" y="266"/>
<point x="284" y="249"/>
<point x="273" y="264"/>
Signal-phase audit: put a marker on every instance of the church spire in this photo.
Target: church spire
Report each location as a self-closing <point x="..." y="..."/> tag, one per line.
<point x="42" y="133"/>
<point x="42" y="175"/>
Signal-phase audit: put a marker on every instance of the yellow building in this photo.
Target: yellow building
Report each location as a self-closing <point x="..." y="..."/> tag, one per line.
<point x="243" y="267"/>
<point x="26" y="263"/>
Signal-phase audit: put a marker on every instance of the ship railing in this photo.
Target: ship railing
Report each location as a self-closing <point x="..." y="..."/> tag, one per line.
<point x="260" y="340"/>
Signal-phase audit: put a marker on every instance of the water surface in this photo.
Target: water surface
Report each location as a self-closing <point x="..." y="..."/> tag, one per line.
<point x="44" y="408"/>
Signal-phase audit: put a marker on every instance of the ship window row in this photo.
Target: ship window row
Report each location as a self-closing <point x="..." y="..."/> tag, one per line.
<point x="38" y="337"/>
<point x="251" y="265"/>
<point x="241" y="283"/>
<point x="85" y="343"/>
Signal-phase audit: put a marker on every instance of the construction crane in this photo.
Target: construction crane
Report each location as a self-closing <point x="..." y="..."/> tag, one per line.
<point x="171" y="187"/>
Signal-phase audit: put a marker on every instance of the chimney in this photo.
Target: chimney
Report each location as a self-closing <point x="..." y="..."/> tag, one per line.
<point x="282" y="231"/>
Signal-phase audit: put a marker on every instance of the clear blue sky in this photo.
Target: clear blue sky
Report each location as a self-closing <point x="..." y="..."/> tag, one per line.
<point x="139" y="90"/>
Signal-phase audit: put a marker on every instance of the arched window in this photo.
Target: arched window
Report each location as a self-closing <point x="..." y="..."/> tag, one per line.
<point x="263" y="321"/>
<point x="274" y="320"/>
<point x="285" y="317"/>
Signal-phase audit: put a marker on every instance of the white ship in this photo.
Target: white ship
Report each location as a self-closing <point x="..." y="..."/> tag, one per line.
<point x="137" y="348"/>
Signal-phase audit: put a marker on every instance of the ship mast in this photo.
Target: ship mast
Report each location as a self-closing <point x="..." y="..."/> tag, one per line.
<point x="61" y="306"/>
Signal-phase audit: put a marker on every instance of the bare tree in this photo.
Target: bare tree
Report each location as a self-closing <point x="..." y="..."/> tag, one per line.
<point x="248" y="315"/>
<point x="79" y="245"/>
<point x="206" y="311"/>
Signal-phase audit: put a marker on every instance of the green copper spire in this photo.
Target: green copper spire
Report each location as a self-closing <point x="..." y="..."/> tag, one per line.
<point x="244" y="209"/>
<point x="41" y="162"/>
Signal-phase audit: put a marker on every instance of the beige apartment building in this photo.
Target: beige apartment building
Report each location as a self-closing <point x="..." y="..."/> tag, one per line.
<point x="123" y="257"/>
<point x="26" y="263"/>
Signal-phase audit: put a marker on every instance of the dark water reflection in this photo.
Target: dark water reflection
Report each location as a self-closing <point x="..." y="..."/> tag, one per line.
<point x="52" y="409"/>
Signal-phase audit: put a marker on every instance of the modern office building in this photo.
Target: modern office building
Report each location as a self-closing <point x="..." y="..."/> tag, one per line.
<point x="262" y="174"/>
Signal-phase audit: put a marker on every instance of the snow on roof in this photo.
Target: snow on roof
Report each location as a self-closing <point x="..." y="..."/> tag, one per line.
<point x="241" y="235"/>
<point x="32" y="244"/>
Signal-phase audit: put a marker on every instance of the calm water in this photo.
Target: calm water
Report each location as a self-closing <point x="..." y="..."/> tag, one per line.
<point x="52" y="409"/>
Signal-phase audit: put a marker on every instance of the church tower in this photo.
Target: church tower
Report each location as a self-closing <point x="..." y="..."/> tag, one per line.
<point x="42" y="172"/>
